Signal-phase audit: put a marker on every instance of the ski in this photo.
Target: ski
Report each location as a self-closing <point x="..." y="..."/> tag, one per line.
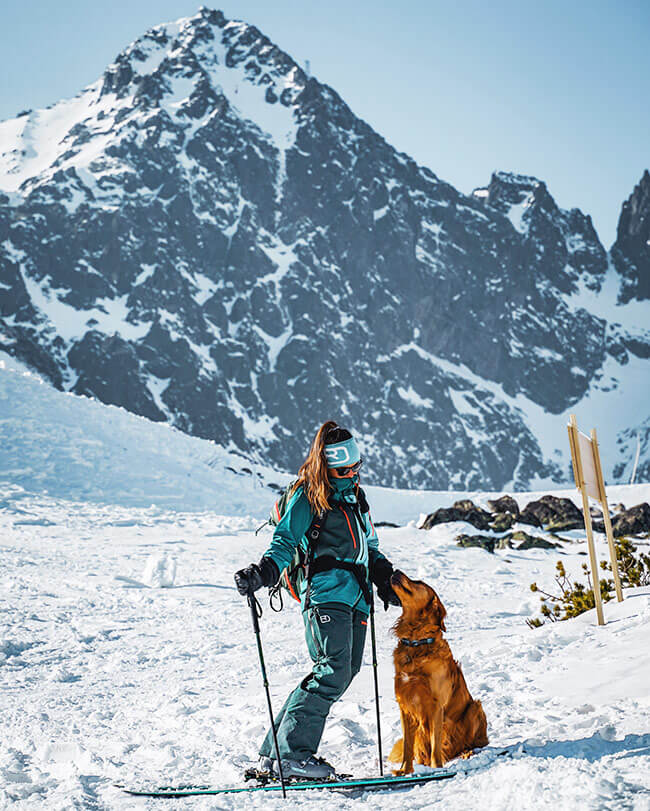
<point x="352" y="784"/>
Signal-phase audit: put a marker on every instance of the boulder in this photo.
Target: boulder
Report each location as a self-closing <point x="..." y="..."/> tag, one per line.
<point x="552" y="513"/>
<point x="634" y="521"/>
<point x="489" y="543"/>
<point x="480" y="541"/>
<point x="531" y="541"/>
<point x="464" y="510"/>
<point x="505" y="504"/>
<point x="502" y="521"/>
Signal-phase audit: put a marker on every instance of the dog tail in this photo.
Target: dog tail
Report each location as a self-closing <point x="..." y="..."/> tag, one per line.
<point x="397" y="752"/>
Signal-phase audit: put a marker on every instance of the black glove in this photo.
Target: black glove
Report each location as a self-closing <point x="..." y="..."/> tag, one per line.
<point x="380" y="575"/>
<point x="253" y="577"/>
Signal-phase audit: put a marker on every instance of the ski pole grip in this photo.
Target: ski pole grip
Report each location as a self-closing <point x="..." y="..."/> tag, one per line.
<point x="256" y="610"/>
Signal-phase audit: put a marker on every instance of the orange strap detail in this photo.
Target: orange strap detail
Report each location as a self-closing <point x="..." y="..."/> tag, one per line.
<point x="293" y="593"/>
<point x="354" y="540"/>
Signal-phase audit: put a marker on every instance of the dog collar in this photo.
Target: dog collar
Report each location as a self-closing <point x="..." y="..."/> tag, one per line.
<point x="416" y="642"/>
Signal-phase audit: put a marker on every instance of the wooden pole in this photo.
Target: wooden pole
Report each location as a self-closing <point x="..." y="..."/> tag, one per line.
<point x="580" y="484"/>
<point x="608" y="523"/>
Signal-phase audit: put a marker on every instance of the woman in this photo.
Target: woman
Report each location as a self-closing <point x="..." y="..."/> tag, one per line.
<point x="334" y="599"/>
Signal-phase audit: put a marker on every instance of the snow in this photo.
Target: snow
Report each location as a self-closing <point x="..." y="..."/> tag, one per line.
<point x="517" y="211"/>
<point x="411" y="396"/>
<point x="462" y="403"/>
<point x="79" y="448"/>
<point x="159" y="571"/>
<point x="274" y="344"/>
<point x="603" y="304"/>
<point x="205" y="288"/>
<point x="109" y="316"/>
<point x="32" y="142"/>
<point x="126" y="654"/>
<point x="146" y="273"/>
<point x="248" y="98"/>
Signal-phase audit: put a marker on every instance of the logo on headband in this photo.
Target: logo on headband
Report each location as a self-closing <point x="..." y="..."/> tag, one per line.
<point x="337" y="456"/>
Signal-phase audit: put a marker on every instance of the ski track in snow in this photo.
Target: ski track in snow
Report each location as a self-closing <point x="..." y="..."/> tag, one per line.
<point x="104" y="678"/>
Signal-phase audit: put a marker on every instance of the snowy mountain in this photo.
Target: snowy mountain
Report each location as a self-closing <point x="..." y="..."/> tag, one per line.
<point x="208" y="236"/>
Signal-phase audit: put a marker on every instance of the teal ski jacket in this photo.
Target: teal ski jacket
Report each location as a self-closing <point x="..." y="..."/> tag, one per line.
<point x="342" y="537"/>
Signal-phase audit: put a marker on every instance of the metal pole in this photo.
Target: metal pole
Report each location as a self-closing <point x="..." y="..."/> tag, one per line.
<point x="255" y="607"/>
<point x="374" y="672"/>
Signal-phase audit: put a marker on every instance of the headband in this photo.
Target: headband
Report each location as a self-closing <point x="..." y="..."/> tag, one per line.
<point x="342" y="454"/>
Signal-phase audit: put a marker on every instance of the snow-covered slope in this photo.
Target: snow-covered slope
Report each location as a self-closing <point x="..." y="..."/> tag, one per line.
<point x="76" y="447"/>
<point x="106" y="677"/>
<point x="209" y="237"/>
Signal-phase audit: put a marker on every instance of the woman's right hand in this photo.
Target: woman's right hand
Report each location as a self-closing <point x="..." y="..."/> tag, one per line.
<point x="249" y="579"/>
<point x="255" y="576"/>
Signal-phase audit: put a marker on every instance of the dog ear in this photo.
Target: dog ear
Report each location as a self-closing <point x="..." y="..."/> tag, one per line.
<point x="435" y="606"/>
<point x="442" y="613"/>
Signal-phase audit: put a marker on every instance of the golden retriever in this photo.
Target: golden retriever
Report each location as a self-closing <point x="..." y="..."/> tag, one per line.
<point x="440" y="719"/>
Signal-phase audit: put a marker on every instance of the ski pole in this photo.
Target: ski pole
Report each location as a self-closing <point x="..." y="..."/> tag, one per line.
<point x="374" y="672"/>
<point x="256" y="613"/>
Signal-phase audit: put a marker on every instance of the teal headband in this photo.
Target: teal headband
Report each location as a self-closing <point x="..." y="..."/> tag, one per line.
<point x="342" y="454"/>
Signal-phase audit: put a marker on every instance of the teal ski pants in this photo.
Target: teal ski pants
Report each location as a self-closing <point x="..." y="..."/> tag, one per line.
<point x="335" y="636"/>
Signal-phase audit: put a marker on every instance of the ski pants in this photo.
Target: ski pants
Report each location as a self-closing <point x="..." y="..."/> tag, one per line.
<point x="335" y="636"/>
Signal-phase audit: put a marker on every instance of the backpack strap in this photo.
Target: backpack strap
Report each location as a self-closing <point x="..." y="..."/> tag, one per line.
<point x="313" y="534"/>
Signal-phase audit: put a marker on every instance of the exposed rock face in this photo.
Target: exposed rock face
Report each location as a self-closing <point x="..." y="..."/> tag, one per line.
<point x="479" y="541"/>
<point x="504" y="504"/>
<point x="552" y="513"/>
<point x="489" y="543"/>
<point x="464" y="510"/>
<point x="634" y="521"/>
<point x="631" y="251"/>
<point x="531" y="541"/>
<point x="210" y="237"/>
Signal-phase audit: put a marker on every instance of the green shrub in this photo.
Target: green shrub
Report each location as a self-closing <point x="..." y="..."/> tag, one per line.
<point x="575" y="598"/>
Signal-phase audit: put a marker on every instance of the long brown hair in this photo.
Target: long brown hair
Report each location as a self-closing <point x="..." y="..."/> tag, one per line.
<point x="313" y="472"/>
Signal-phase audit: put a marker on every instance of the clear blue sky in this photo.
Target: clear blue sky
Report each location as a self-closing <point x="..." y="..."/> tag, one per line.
<point x="559" y="89"/>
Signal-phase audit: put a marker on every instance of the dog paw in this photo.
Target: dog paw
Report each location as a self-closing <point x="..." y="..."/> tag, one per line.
<point x="402" y="771"/>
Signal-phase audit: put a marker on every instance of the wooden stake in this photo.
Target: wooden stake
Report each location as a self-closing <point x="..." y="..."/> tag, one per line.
<point x="608" y="523"/>
<point x="580" y="484"/>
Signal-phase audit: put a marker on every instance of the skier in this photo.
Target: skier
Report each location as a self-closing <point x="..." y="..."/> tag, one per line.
<point x="334" y="598"/>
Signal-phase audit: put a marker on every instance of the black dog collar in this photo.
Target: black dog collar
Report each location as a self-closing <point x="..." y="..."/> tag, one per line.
<point x="416" y="642"/>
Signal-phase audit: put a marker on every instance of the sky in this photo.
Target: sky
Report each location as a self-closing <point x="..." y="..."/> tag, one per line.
<point x="558" y="90"/>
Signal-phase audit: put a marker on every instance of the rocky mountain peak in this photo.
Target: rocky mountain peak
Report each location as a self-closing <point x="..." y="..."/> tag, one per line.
<point x="198" y="49"/>
<point x="516" y="196"/>
<point x="572" y="252"/>
<point x="209" y="237"/>
<point x="631" y="251"/>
